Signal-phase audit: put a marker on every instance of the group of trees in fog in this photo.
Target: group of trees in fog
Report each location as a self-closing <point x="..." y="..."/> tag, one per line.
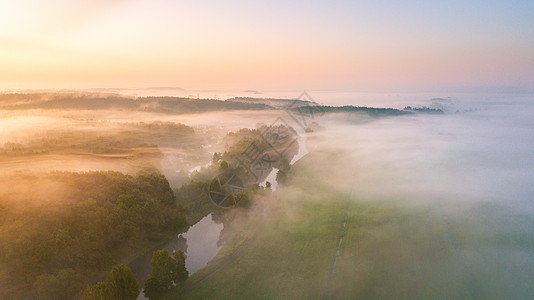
<point x="119" y="285"/>
<point x="371" y="111"/>
<point x="53" y="250"/>
<point x="267" y="140"/>
<point x="283" y="170"/>
<point x="424" y="109"/>
<point x="168" y="271"/>
<point x="122" y="138"/>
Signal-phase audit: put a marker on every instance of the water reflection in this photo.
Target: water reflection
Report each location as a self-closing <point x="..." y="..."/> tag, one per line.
<point x="200" y="244"/>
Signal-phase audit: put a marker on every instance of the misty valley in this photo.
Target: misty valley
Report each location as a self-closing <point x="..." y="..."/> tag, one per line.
<point x="109" y="196"/>
<point x="154" y="150"/>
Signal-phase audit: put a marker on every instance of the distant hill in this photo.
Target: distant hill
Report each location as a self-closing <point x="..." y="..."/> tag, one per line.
<point x="173" y="105"/>
<point x="272" y="102"/>
<point x="253" y="92"/>
<point x="371" y="111"/>
<point x="304" y="106"/>
<point x="181" y="105"/>
<point x="424" y="110"/>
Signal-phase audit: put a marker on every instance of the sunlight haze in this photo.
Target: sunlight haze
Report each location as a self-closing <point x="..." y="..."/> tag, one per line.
<point x="267" y="45"/>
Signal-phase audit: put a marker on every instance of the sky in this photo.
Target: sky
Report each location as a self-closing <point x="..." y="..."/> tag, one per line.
<point x="266" y="45"/>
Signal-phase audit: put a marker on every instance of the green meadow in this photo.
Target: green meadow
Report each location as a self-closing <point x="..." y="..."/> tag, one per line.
<point x="285" y="247"/>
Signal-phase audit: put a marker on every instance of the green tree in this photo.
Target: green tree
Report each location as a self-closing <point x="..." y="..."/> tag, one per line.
<point x="123" y="283"/>
<point x="283" y="169"/>
<point x="281" y="177"/>
<point x="166" y="272"/>
<point x="99" y="291"/>
<point x="242" y="199"/>
<point x="216" y="157"/>
<point x="181" y="272"/>
<point x="284" y="165"/>
<point x="224" y="166"/>
<point x="119" y="285"/>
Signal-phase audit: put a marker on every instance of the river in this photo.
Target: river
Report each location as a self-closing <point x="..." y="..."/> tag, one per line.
<point x="200" y="244"/>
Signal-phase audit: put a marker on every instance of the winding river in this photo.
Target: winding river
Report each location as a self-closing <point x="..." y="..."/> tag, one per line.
<point x="200" y="243"/>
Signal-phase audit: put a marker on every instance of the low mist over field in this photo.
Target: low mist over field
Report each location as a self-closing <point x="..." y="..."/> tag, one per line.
<point x="266" y="150"/>
<point x="415" y="206"/>
<point x="472" y="173"/>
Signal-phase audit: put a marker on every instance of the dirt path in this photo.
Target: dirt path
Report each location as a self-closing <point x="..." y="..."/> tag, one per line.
<point x="341" y="234"/>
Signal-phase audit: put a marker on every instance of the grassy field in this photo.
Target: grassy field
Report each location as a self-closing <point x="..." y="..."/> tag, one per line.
<point x="280" y="249"/>
<point x="285" y="248"/>
<point x="284" y="259"/>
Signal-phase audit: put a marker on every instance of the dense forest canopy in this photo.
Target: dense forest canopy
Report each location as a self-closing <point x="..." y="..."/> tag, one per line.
<point x="57" y="232"/>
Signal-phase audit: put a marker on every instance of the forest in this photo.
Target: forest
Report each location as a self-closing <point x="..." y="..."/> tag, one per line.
<point x="59" y="231"/>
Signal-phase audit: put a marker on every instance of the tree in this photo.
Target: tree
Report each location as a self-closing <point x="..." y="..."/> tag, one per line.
<point x="216" y="157"/>
<point x="281" y="177"/>
<point x="242" y="199"/>
<point x="166" y="272"/>
<point x="284" y="165"/>
<point x="99" y="291"/>
<point x="224" y="166"/>
<point x="283" y="169"/>
<point x="181" y="272"/>
<point x="123" y="283"/>
<point x="119" y="285"/>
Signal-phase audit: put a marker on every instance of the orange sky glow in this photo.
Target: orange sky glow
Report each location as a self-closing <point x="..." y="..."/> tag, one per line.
<point x="201" y="44"/>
